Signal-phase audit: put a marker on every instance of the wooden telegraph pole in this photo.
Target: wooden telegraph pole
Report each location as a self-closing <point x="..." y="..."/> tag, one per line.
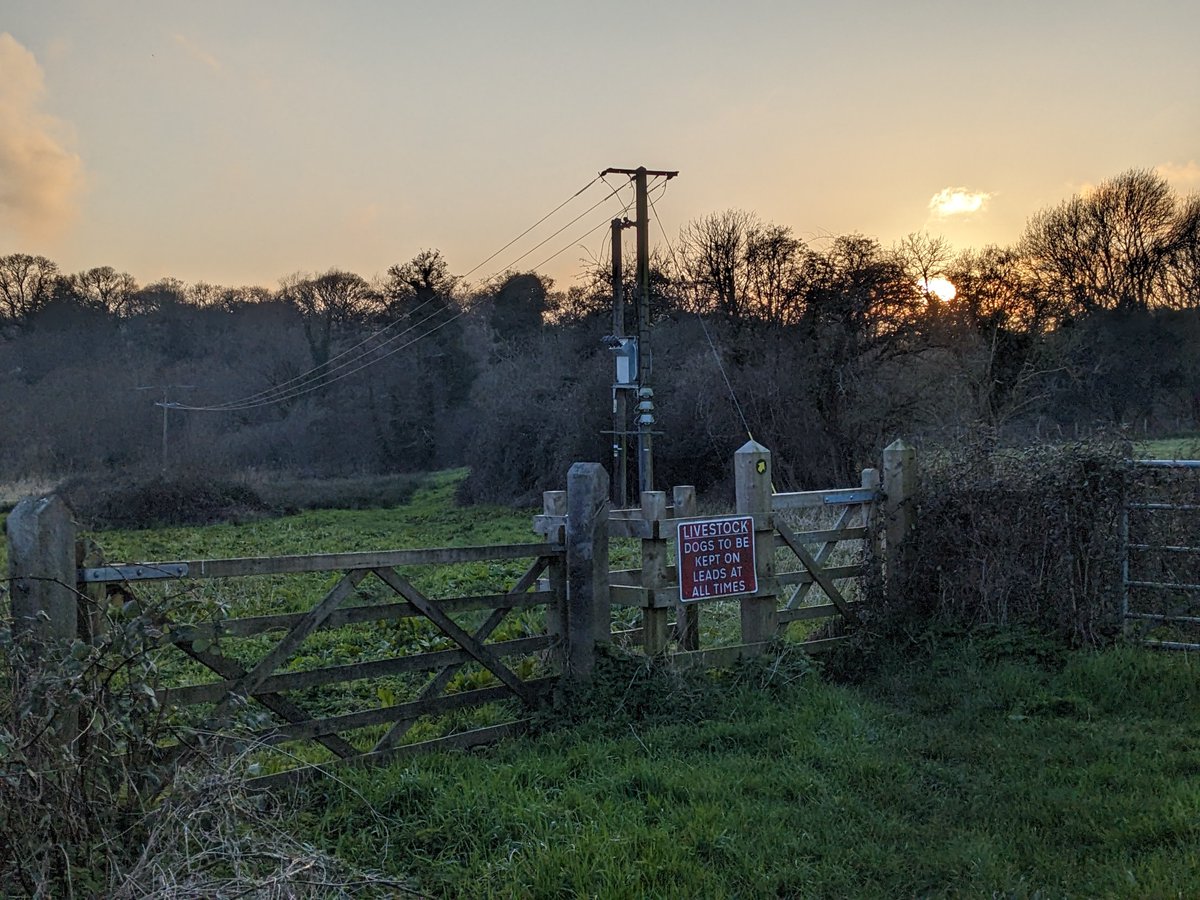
<point x="645" y="405"/>
<point x="166" y="405"/>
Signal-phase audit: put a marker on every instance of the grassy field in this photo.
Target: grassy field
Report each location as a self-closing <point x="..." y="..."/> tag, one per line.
<point x="992" y="764"/>
<point x="1181" y="447"/>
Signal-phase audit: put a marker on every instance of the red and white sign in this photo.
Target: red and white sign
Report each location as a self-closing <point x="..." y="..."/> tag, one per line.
<point x="716" y="558"/>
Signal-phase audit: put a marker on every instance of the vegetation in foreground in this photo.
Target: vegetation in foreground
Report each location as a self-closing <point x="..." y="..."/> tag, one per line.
<point x="993" y="765"/>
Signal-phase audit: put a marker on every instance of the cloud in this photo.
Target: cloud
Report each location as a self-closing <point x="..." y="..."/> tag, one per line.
<point x="40" y="180"/>
<point x="958" y="201"/>
<point x="201" y="56"/>
<point x="1185" y="175"/>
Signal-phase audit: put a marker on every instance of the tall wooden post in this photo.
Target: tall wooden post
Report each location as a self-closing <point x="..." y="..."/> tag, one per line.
<point x="42" y="591"/>
<point x="656" y="630"/>
<point x="752" y="480"/>
<point x="620" y="485"/>
<point x="900" y="511"/>
<point x="687" y="615"/>
<point x="589" y="607"/>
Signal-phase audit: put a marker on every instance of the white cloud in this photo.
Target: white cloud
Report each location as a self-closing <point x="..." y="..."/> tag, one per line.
<point x="40" y="179"/>
<point x="1182" y="175"/>
<point x="958" y="201"/>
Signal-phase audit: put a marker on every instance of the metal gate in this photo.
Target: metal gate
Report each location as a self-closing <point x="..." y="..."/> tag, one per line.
<point x="1161" y="560"/>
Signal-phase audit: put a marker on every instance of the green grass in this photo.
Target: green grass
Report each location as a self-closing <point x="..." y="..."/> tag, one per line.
<point x="966" y="772"/>
<point x="992" y="765"/>
<point x="1185" y="446"/>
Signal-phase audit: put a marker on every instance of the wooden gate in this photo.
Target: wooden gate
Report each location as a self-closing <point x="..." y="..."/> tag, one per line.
<point x="266" y="680"/>
<point x="806" y="560"/>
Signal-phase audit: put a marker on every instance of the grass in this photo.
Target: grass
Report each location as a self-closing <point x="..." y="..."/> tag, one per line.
<point x="960" y="773"/>
<point x="1186" y="446"/>
<point x="994" y="764"/>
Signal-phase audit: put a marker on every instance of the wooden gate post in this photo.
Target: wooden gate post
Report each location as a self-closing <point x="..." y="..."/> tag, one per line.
<point x="900" y="511"/>
<point x="752" y="480"/>
<point x="42" y="591"/>
<point x="589" y="607"/>
<point x="687" y="615"/>
<point x="655" y="621"/>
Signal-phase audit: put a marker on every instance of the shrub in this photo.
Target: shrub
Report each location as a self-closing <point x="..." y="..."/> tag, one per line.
<point x="189" y="499"/>
<point x="1029" y="536"/>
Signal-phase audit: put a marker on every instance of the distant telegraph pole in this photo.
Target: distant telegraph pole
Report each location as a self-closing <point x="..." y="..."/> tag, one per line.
<point x="166" y="404"/>
<point x="643" y="366"/>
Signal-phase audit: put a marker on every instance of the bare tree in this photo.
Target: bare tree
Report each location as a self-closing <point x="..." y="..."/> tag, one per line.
<point x="327" y="303"/>
<point x="102" y="288"/>
<point x="1111" y="248"/>
<point x="27" y="283"/>
<point x="924" y="257"/>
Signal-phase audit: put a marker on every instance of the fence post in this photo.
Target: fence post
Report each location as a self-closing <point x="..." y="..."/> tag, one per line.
<point x="752" y="481"/>
<point x="655" y="621"/>
<point x="589" y="608"/>
<point x="687" y="615"/>
<point x="42" y="590"/>
<point x="900" y="511"/>
<point x="554" y="503"/>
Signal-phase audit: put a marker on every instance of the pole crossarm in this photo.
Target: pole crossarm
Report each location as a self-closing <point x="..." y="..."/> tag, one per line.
<point x="656" y="173"/>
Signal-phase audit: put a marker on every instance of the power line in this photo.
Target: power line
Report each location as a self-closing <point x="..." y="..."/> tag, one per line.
<point x="533" y="226"/>
<point x="703" y="326"/>
<point x="363" y="361"/>
<point x="296" y="386"/>
<point x="543" y="243"/>
<point x="312" y="374"/>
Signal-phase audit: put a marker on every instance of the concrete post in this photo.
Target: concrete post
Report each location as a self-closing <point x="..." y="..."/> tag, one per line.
<point x="42" y="591"/>
<point x="589" y="607"/>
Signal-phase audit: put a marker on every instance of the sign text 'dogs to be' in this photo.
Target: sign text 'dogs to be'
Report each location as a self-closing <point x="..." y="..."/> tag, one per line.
<point x="716" y="558"/>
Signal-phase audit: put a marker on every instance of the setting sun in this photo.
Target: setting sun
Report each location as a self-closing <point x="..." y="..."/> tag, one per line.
<point x="942" y="288"/>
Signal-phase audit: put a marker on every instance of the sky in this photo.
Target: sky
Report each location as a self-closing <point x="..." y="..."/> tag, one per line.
<point x="241" y="142"/>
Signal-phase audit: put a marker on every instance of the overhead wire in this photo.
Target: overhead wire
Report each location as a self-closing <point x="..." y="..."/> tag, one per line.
<point x="531" y="227"/>
<point x="296" y="386"/>
<point x="316" y="372"/>
<point x="703" y="325"/>
<point x="543" y="243"/>
<point x="302" y="385"/>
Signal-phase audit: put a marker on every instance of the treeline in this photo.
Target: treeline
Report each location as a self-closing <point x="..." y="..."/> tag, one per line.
<point x="823" y="353"/>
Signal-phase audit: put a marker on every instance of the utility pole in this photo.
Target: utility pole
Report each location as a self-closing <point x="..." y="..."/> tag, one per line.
<point x="645" y="406"/>
<point x="620" y="476"/>
<point x="166" y="404"/>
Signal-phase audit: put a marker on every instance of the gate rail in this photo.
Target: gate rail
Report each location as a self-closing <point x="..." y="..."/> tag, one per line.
<point x="1139" y="545"/>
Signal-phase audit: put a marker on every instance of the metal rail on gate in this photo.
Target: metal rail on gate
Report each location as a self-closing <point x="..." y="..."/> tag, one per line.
<point x="1130" y="583"/>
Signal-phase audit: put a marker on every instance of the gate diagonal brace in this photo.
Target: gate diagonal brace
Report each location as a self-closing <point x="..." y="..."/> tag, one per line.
<point x="231" y="670"/>
<point x="823" y="554"/>
<point x="818" y="573"/>
<point x="248" y="684"/>
<point x="437" y="685"/>
<point x="434" y="613"/>
<point x="276" y="703"/>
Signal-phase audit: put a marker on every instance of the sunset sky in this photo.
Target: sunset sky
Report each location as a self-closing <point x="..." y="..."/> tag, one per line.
<point x="238" y="142"/>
